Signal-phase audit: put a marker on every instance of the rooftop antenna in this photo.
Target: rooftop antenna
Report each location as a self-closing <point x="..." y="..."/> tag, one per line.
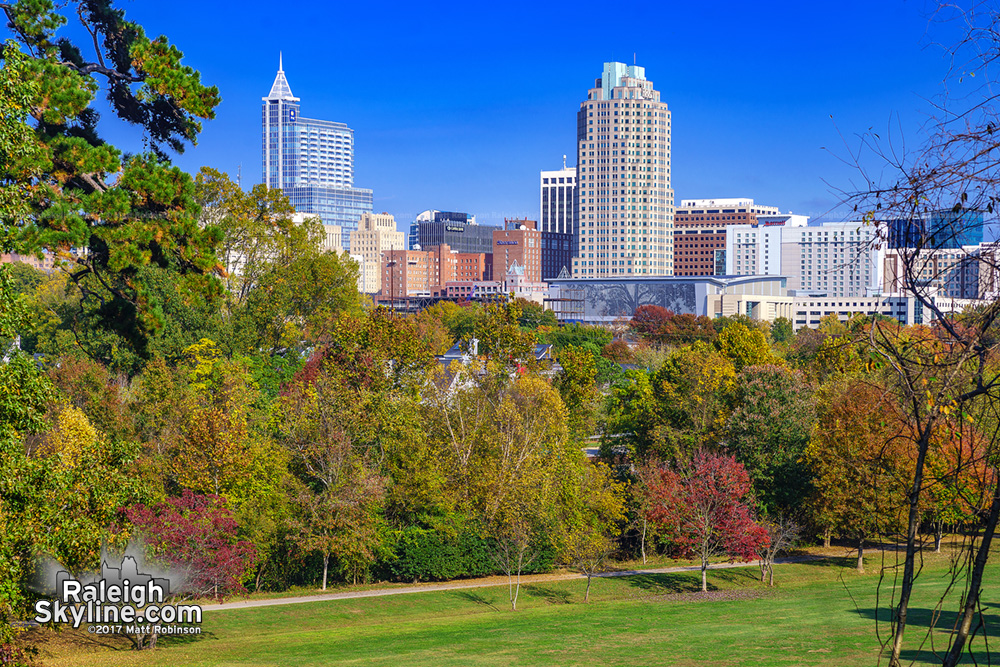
<point x="564" y="161"/>
<point x="239" y="176"/>
<point x="280" y="66"/>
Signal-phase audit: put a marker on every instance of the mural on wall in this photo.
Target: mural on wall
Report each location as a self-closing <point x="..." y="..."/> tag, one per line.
<point x="621" y="299"/>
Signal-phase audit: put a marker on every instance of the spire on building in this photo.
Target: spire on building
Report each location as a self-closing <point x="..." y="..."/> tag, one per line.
<point x="280" y="90"/>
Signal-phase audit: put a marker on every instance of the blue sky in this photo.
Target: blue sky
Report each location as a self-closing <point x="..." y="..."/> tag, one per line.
<point x="457" y="106"/>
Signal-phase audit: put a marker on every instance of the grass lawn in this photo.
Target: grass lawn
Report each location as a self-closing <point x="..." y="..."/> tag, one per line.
<point x="820" y="613"/>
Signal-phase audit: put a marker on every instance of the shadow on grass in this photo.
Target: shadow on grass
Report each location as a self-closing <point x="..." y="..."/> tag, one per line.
<point x="849" y="561"/>
<point x="478" y="598"/>
<point x="665" y="584"/>
<point x="738" y="576"/>
<point x="81" y="639"/>
<point x="184" y="640"/>
<point x="550" y="595"/>
<point x="922" y="650"/>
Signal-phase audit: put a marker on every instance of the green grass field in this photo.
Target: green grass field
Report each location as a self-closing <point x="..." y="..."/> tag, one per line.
<point x="820" y="613"/>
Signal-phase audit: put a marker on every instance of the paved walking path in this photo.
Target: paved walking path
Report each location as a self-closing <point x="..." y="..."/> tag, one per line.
<point x="478" y="583"/>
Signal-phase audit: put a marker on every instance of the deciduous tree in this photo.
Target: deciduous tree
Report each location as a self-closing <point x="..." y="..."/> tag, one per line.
<point x="745" y="346"/>
<point x="707" y="506"/>
<point x="767" y="431"/>
<point x="859" y="461"/>
<point x="591" y="519"/>
<point x="198" y="534"/>
<point x="576" y="385"/>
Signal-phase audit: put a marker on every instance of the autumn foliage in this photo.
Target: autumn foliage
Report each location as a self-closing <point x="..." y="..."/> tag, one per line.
<point x="706" y="508"/>
<point x="197" y="534"/>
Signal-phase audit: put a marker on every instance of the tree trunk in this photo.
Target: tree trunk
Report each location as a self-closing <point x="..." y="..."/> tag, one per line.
<point x="326" y="563"/>
<point x="260" y="575"/>
<point x="762" y="564"/>
<point x="586" y="596"/>
<point x="510" y="591"/>
<point x="704" y="575"/>
<point x="912" y="524"/>
<point x="861" y="555"/>
<point x="770" y="574"/>
<point x="938" y="534"/>
<point x="975" y="585"/>
<point x="826" y="537"/>
<point x="642" y="543"/>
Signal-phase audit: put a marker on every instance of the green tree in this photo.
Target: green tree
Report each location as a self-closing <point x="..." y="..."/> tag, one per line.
<point x="632" y="425"/>
<point x="576" y="385"/>
<point x="297" y="303"/>
<point x="767" y="431"/>
<point x="578" y="335"/>
<point x="25" y="395"/>
<point x="782" y="331"/>
<point x="591" y="520"/>
<point x="74" y="190"/>
<point x="534" y="315"/>
<point x="59" y="498"/>
<point x="340" y="420"/>
<point x="19" y="149"/>
<point x="500" y="336"/>
<point x="692" y="390"/>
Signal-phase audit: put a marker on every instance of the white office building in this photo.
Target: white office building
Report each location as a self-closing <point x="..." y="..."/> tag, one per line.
<point x="557" y="196"/>
<point x="836" y="259"/>
<point x="969" y="272"/>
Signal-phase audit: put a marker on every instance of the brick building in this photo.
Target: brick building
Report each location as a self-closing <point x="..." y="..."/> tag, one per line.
<point x="424" y="272"/>
<point x="474" y="266"/>
<point x="519" y="241"/>
<point x="700" y="232"/>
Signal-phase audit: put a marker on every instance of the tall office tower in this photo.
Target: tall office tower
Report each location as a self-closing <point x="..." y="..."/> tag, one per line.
<point x="376" y="235"/>
<point x="311" y="161"/>
<point x="625" y="203"/>
<point x="700" y="232"/>
<point x="558" y="200"/>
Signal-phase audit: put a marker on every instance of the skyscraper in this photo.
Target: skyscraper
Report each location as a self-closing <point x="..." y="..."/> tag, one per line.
<point x="625" y="203"/>
<point x="311" y="161"/>
<point x="558" y="200"/>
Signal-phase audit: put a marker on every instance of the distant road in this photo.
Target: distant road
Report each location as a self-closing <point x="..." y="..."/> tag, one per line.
<point x="478" y="583"/>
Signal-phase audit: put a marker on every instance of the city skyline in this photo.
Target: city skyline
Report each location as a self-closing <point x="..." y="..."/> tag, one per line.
<point x="751" y="91"/>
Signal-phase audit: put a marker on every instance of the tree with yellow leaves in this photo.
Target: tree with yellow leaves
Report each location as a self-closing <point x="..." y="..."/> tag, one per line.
<point x="591" y="519"/>
<point x="745" y="346"/>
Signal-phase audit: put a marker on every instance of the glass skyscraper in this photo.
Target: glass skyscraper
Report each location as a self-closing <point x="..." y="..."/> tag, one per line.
<point x="941" y="229"/>
<point x="311" y="161"/>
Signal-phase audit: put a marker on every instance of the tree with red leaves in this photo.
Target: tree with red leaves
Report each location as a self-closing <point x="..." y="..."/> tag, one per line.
<point x="196" y="533"/>
<point x="705" y="508"/>
<point x="665" y="327"/>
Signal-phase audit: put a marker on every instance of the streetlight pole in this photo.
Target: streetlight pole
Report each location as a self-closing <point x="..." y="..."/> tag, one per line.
<point x="392" y="281"/>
